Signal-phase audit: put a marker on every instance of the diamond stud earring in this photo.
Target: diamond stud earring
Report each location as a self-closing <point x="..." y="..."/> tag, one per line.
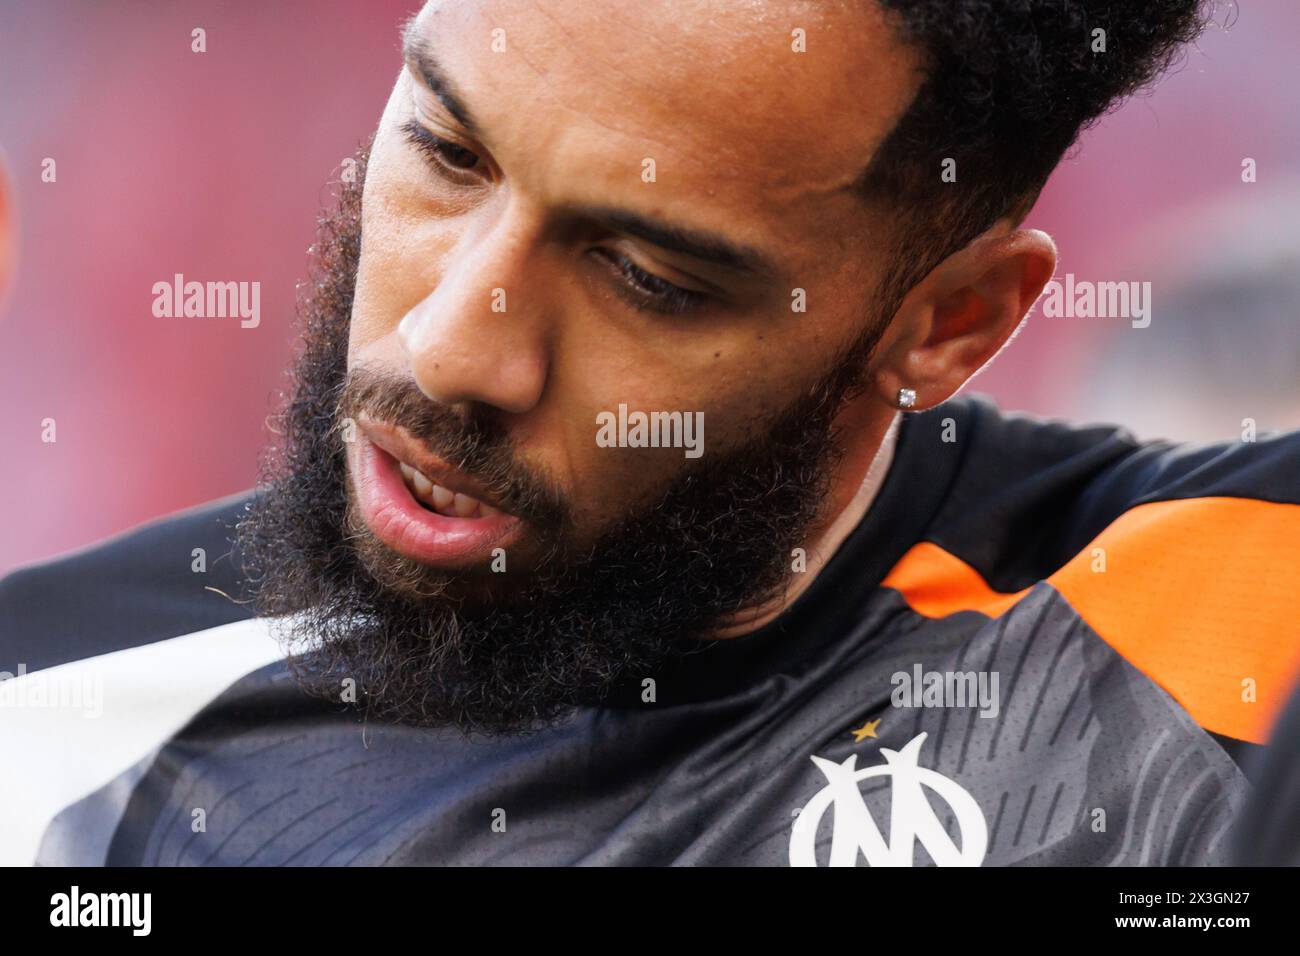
<point x="906" y="397"/>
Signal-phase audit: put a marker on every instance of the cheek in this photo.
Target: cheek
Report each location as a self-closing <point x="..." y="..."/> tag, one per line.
<point x="612" y="483"/>
<point x="369" y="318"/>
<point x="613" y="465"/>
<point x="402" y="251"/>
<point x="730" y="383"/>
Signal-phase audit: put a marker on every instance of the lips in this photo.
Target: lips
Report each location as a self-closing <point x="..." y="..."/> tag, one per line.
<point x="422" y="507"/>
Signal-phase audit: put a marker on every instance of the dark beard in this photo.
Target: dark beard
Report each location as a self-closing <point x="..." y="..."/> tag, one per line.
<point x="716" y="541"/>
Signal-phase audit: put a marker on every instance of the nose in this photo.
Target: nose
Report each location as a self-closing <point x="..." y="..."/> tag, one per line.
<point x="480" y="334"/>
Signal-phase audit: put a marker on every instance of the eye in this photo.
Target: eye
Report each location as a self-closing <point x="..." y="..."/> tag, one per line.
<point x="648" y="292"/>
<point x="444" y="155"/>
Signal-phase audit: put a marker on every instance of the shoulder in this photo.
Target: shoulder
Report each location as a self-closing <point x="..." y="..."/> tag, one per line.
<point x="1181" y="557"/>
<point x="170" y="577"/>
<point x="1028" y="494"/>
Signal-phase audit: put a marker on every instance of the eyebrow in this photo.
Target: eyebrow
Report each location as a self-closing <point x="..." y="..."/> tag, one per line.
<point x="417" y="53"/>
<point x="705" y="246"/>
<point x="698" y="244"/>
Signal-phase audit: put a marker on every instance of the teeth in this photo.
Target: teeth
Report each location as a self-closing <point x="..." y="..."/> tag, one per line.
<point x="423" y="486"/>
<point x="444" y="500"/>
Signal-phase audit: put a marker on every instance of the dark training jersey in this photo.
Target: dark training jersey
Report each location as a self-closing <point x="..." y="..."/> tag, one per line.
<point x="1043" y="645"/>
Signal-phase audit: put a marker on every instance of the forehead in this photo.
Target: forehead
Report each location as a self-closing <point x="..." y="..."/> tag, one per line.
<point x="572" y="98"/>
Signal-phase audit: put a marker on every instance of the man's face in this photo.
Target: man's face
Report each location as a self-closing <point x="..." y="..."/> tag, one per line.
<point x="509" y="271"/>
<point x="495" y="291"/>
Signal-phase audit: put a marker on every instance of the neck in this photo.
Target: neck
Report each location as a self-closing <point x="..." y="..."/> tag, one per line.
<point x="869" y="475"/>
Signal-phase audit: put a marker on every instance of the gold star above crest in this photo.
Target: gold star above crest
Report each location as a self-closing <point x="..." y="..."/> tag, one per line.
<point x="866" y="730"/>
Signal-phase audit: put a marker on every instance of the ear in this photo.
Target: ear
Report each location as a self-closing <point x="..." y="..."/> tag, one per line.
<point x="952" y="323"/>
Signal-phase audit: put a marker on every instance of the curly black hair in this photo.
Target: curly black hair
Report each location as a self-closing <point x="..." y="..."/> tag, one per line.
<point x="1008" y="86"/>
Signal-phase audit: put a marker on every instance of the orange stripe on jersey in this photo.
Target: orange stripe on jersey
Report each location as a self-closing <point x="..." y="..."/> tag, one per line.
<point x="937" y="583"/>
<point x="1201" y="595"/>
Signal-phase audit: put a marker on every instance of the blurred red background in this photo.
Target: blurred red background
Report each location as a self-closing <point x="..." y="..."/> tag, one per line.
<point x="214" y="166"/>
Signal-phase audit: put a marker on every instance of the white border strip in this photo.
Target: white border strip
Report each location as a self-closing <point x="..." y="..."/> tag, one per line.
<point x="127" y="705"/>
